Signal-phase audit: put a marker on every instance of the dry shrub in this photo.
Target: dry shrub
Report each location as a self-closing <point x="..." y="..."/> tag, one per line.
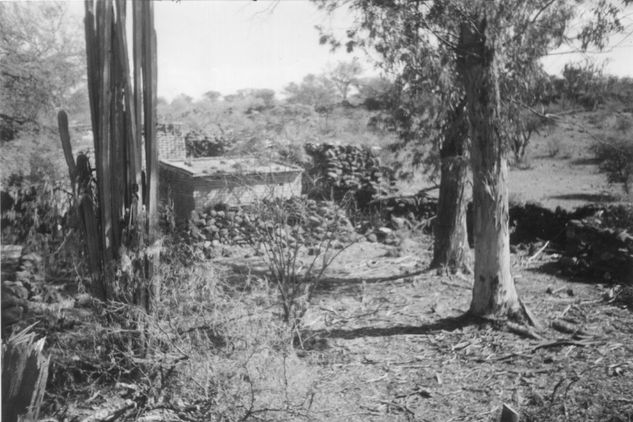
<point x="236" y="356"/>
<point x="92" y="347"/>
<point x="616" y="160"/>
<point x="298" y="244"/>
<point x="615" y="152"/>
<point x="211" y="351"/>
<point x="553" y="146"/>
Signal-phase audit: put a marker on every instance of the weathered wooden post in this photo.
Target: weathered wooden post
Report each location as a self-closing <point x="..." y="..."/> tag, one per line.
<point x="508" y="414"/>
<point x="24" y="375"/>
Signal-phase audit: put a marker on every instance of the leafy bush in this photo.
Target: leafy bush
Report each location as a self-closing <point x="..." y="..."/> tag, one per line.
<point x="35" y="197"/>
<point x="587" y="86"/>
<point x="521" y="130"/>
<point x="616" y="160"/>
<point x="199" y="144"/>
<point x="34" y="210"/>
<point x="584" y="84"/>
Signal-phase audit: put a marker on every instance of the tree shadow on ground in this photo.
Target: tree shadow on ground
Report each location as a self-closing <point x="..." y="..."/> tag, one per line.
<point x="592" y="161"/>
<point x="555" y="269"/>
<point x="240" y="275"/>
<point x="317" y="339"/>
<point x="587" y="197"/>
<point x="340" y="285"/>
<point x="353" y="284"/>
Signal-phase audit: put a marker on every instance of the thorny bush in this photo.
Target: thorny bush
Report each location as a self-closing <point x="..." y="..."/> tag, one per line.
<point x="298" y="247"/>
<point x="33" y="209"/>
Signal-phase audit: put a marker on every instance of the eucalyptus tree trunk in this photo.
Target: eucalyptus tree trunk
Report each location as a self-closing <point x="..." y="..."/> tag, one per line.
<point x="450" y="247"/>
<point x="494" y="293"/>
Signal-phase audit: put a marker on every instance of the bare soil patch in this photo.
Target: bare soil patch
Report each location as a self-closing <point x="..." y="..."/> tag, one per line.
<point x="561" y="170"/>
<point x="400" y="348"/>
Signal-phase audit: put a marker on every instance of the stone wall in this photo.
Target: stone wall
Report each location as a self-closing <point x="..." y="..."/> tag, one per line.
<point x="337" y="170"/>
<point x="318" y="221"/>
<point x="595" y="241"/>
<point x="601" y="253"/>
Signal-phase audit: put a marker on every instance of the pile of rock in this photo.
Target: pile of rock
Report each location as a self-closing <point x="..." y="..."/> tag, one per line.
<point x="595" y="240"/>
<point x="199" y="144"/>
<point x="298" y="219"/>
<point x="414" y="208"/>
<point x="20" y="274"/>
<point x="605" y="254"/>
<point x="532" y="222"/>
<point x="339" y="169"/>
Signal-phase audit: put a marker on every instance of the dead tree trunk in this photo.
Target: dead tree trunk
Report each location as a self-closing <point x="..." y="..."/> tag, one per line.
<point x="24" y="375"/>
<point x="450" y="247"/>
<point x="494" y="294"/>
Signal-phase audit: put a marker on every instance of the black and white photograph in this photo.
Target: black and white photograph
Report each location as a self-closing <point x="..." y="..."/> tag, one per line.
<point x="316" y="210"/>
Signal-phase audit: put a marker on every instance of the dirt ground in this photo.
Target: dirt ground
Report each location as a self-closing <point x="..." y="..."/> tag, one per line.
<point x="560" y="169"/>
<point x="386" y="340"/>
<point x="398" y="349"/>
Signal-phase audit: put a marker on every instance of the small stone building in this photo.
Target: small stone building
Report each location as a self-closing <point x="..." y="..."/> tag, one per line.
<point x="198" y="183"/>
<point x="171" y="143"/>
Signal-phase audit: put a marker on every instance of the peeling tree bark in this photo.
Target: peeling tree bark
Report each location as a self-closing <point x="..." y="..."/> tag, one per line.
<point x="494" y="293"/>
<point x="450" y="247"/>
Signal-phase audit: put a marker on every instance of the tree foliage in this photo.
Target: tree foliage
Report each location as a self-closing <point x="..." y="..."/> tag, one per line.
<point x="374" y="92"/>
<point x="314" y="90"/>
<point x="41" y="66"/>
<point x="416" y="42"/>
<point x="344" y="76"/>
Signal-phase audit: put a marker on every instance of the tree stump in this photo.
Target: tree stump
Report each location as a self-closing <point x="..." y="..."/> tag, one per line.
<point x="24" y="374"/>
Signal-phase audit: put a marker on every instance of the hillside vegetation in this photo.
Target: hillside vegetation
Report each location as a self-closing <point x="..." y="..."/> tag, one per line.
<point x="324" y="307"/>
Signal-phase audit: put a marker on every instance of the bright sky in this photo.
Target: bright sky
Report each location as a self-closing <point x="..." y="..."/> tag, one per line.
<point x="233" y="44"/>
<point x="226" y="45"/>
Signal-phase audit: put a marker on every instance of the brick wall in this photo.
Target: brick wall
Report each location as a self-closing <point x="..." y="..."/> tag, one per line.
<point x="171" y="143"/>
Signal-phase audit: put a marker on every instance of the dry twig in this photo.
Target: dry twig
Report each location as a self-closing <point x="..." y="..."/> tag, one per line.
<point x="523" y="330"/>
